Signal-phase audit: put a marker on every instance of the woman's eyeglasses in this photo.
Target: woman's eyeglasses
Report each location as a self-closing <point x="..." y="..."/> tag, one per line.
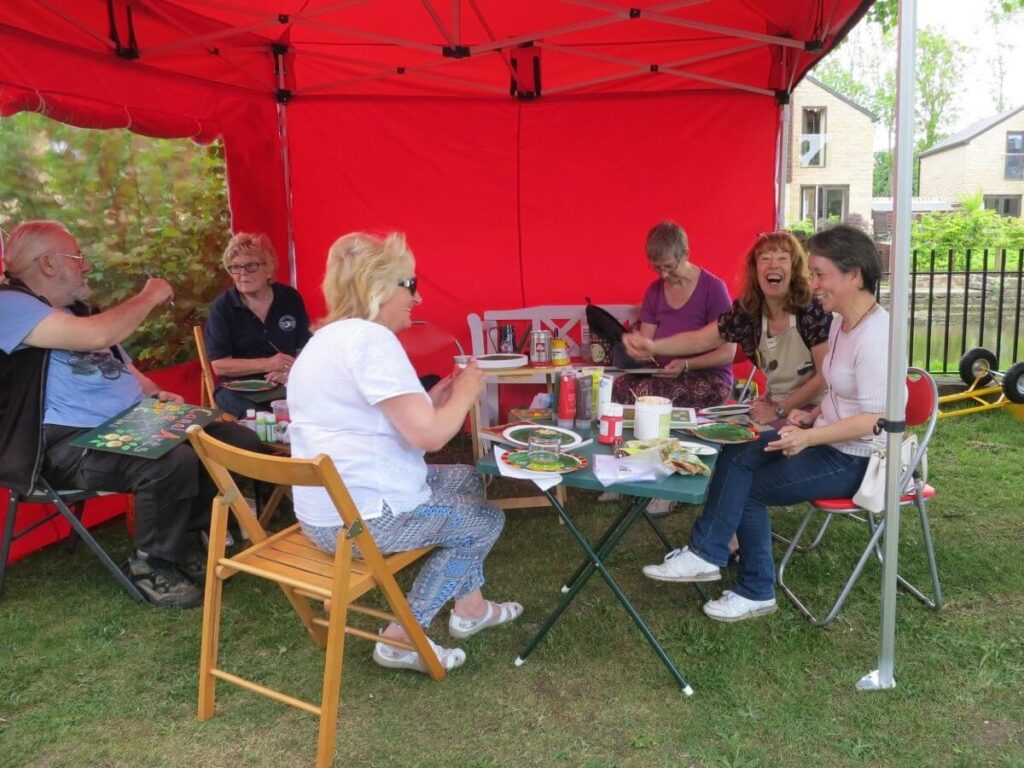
<point x="410" y="283"/>
<point x="665" y="269"/>
<point x="250" y="267"/>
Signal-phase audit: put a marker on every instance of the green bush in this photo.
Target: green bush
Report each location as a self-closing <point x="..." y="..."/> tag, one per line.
<point x="138" y="206"/>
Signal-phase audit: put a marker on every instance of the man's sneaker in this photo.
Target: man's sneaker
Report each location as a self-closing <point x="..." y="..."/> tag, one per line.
<point x="163" y="584"/>
<point x="193" y="565"/>
<point x="659" y="508"/>
<point x="733" y="607"/>
<point x="683" y="565"/>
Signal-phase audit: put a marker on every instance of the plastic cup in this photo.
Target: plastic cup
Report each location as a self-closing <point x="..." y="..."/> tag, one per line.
<point x="280" y="409"/>
<point x="543" y="450"/>
<point x="462" y="360"/>
<point x="653" y="417"/>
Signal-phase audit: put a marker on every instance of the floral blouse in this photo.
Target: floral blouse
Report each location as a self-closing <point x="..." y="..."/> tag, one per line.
<point x="739" y="326"/>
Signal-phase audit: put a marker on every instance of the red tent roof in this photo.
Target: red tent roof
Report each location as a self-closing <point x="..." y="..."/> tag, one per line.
<point x="453" y="48"/>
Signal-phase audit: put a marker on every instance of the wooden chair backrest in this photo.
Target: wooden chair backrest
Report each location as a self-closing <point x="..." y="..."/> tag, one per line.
<point x="208" y="380"/>
<point x="222" y="459"/>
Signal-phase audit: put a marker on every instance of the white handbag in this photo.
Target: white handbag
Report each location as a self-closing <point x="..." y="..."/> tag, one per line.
<point x="871" y="494"/>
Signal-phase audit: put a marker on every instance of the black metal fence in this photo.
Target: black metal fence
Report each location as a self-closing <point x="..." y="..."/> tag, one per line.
<point x="962" y="300"/>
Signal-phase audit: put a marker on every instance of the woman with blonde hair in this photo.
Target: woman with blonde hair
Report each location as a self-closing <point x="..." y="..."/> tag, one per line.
<point x="256" y="327"/>
<point x="353" y="394"/>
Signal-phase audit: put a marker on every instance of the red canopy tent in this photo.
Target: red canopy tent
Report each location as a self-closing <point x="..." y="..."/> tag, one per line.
<point x="525" y="147"/>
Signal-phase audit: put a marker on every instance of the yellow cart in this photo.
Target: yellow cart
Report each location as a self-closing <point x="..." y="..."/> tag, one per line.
<point x="987" y="388"/>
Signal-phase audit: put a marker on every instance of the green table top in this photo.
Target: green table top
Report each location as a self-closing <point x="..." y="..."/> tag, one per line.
<point x="690" y="489"/>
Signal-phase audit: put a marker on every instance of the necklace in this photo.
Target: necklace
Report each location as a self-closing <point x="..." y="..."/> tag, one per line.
<point x="866" y="312"/>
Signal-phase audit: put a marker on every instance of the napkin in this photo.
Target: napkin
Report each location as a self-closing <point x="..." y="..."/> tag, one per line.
<point x="639" y="468"/>
<point x="543" y="480"/>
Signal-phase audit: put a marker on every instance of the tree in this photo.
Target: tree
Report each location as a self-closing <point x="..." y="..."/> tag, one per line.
<point x="137" y="205"/>
<point x="885" y="13"/>
<point x="939" y="82"/>
<point x="881" y="178"/>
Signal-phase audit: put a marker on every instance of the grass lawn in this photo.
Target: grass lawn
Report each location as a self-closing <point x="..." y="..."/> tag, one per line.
<point x="88" y="678"/>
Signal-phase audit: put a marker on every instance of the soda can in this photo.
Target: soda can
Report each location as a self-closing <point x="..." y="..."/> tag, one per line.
<point x="566" y="399"/>
<point x="540" y="348"/>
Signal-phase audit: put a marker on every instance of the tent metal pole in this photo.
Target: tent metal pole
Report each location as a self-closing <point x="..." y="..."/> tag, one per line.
<point x="899" y="258"/>
<point x="781" y="173"/>
<point x="286" y="170"/>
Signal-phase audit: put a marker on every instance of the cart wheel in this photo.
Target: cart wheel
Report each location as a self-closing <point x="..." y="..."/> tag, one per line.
<point x="975" y="363"/>
<point x="1013" y="383"/>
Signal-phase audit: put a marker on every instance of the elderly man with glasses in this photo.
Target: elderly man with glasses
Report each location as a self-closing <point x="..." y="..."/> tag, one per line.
<point x="63" y="372"/>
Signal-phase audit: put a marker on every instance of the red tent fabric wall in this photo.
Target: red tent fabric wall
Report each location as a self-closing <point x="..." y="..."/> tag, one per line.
<point x="513" y="204"/>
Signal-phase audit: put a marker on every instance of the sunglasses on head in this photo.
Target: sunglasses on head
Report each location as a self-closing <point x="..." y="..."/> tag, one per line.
<point x="410" y="283"/>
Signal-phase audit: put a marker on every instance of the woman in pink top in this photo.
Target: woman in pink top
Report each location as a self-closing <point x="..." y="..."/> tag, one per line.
<point x="683" y="298"/>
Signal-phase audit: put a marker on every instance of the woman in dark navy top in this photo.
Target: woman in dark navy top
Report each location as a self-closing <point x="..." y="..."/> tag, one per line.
<point x="257" y="327"/>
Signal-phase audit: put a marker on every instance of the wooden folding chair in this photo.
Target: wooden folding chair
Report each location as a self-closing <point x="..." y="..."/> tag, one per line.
<point x="922" y="410"/>
<point x="208" y="382"/>
<point x="305" y="573"/>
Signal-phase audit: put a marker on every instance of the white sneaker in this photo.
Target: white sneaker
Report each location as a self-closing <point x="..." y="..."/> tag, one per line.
<point x="608" y="496"/>
<point x="683" y="565"/>
<point x="659" y="508"/>
<point x="732" y="607"/>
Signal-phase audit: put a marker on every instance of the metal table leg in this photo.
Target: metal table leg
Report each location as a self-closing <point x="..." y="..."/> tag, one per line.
<point x="610" y="538"/>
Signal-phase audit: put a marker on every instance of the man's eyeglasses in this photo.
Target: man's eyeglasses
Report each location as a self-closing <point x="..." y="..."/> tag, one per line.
<point x="250" y="267"/>
<point x="76" y="256"/>
<point x="665" y="269"/>
<point x="410" y="283"/>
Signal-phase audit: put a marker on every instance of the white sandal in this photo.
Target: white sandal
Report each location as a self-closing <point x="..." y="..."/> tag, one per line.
<point x="496" y="615"/>
<point x="398" y="658"/>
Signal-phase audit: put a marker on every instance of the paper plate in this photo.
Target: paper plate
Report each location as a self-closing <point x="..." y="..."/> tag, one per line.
<point x="249" y="385"/>
<point x="520" y="435"/>
<point x="719" y="411"/>
<point x="700" y="449"/>
<point x="499" y="361"/>
<point x="726" y="434"/>
<point x="567" y="462"/>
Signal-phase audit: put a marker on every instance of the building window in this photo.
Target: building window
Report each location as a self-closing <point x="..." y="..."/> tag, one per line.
<point x="812" y="138"/>
<point x="1004" y="205"/>
<point x="823" y="204"/>
<point x="1015" y="156"/>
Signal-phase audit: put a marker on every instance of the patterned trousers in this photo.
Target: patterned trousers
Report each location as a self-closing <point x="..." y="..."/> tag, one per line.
<point x="457" y="520"/>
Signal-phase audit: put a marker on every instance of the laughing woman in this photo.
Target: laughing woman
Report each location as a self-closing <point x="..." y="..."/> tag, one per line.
<point x="775" y="320"/>
<point x="353" y="394"/>
<point x="823" y="453"/>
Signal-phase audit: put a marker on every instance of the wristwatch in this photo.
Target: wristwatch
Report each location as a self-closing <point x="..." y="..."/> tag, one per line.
<point x="780" y="411"/>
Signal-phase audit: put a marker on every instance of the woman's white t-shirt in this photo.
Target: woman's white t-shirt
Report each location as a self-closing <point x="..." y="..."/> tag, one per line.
<point x="856" y="370"/>
<point x="334" y="393"/>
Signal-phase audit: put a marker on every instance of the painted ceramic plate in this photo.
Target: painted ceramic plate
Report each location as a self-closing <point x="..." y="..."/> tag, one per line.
<point x="567" y="462"/>
<point x="700" y="449"/>
<point x="720" y="411"/>
<point x="249" y="385"/>
<point x="520" y="435"/>
<point x="500" y="361"/>
<point x="724" y="433"/>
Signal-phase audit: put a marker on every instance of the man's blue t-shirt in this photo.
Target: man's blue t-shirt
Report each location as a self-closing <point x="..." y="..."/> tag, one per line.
<point x="83" y="389"/>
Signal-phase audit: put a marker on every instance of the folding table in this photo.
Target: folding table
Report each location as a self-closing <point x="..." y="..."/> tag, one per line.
<point x="685" y="488"/>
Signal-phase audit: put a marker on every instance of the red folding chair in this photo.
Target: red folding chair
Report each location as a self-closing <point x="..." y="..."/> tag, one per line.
<point x="921" y="410"/>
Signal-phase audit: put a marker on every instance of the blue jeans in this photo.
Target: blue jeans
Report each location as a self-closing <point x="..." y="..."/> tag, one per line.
<point x="747" y="480"/>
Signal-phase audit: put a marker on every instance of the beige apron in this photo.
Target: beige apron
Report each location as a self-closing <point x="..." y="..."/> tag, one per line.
<point x="786" y="360"/>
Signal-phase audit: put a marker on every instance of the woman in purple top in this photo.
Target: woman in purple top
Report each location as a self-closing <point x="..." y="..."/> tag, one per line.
<point x="684" y="298"/>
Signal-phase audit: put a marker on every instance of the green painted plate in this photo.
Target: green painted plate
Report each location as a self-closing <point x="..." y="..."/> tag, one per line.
<point x="725" y="433"/>
<point x="567" y="462"/>
<point x="249" y="385"/>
